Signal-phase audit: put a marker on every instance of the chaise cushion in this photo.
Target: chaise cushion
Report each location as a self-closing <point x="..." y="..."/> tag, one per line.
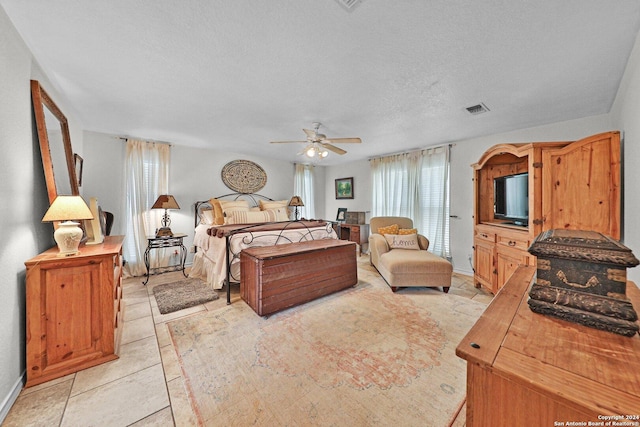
<point x="405" y="267"/>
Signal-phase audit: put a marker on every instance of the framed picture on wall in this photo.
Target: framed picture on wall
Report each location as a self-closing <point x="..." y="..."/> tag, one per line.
<point x="342" y="215"/>
<point x="344" y="188"/>
<point x="78" y="165"/>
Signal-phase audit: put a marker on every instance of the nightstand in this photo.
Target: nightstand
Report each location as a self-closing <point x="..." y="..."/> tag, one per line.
<point x="358" y="233"/>
<point x="164" y="242"/>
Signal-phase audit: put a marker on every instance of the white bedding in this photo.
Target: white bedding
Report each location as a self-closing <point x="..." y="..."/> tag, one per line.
<point x="210" y="263"/>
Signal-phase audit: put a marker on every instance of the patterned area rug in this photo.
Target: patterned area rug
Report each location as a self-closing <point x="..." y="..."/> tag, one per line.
<point x="364" y="356"/>
<point x="182" y="294"/>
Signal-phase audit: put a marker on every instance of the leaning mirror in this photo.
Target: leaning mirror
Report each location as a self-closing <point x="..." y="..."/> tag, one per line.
<point x="55" y="144"/>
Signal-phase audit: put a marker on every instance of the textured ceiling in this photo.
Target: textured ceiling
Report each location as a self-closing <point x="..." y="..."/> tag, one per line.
<point x="236" y="74"/>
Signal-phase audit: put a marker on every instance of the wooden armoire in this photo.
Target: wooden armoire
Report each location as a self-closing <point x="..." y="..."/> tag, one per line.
<point x="571" y="185"/>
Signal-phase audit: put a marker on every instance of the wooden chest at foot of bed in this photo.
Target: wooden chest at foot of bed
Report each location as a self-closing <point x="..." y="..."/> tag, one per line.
<point x="277" y="277"/>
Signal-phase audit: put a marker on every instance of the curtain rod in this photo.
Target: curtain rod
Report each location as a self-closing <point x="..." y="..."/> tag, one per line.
<point x="451" y="144"/>
<point x="125" y="138"/>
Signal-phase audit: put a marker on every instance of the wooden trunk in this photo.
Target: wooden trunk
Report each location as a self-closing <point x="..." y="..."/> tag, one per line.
<point x="277" y="277"/>
<point x="582" y="278"/>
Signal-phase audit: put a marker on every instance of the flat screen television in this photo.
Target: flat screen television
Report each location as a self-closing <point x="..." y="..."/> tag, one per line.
<point x="511" y="198"/>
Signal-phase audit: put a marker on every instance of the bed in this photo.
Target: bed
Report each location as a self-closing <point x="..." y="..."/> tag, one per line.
<point x="242" y="221"/>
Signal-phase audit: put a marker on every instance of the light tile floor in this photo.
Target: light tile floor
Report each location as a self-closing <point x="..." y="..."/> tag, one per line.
<point x="144" y="386"/>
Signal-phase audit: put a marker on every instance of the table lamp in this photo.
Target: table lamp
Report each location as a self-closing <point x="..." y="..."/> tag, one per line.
<point x="165" y="201"/>
<point x="68" y="234"/>
<point x="295" y="202"/>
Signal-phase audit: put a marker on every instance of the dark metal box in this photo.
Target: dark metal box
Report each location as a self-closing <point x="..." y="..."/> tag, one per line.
<point x="582" y="278"/>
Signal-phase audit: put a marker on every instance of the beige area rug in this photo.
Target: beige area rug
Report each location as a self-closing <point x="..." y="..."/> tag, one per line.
<point x="182" y="294"/>
<point x="364" y="356"/>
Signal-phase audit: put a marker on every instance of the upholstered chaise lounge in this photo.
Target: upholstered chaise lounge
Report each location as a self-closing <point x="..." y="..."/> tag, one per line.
<point x="400" y="255"/>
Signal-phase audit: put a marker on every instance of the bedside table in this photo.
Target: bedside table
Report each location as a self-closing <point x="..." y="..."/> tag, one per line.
<point x="164" y="242"/>
<point x="358" y="233"/>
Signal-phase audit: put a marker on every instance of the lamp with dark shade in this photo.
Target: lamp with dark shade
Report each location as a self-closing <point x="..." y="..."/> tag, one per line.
<point x="296" y="201"/>
<point x="166" y="202"/>
<point x="68" y="235"/>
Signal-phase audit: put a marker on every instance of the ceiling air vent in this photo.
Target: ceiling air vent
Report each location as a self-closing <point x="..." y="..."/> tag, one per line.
<point x="477" y="109"/>
<point x="349" y="5"/>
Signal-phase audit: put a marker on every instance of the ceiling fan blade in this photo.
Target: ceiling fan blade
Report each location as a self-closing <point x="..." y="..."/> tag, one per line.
<point x="286" y="142"/>
<point x="344" y="140"/>
<point x="333" y="148"/>
<point x="310" y="133"/>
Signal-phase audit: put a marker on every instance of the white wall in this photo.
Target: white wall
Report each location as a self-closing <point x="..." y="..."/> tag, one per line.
<point x="361" y="201"/>
<point x="625" y="115"/>
<point x="194" y="174"/>
<point x="24" y="196"/>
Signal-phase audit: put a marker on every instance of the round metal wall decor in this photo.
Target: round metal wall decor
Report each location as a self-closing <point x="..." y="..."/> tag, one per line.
<point x="244" y="176"/>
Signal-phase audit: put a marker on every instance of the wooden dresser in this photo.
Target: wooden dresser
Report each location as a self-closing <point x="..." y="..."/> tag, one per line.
<point x="525" y="368"/>
<point x="73" y="310"/>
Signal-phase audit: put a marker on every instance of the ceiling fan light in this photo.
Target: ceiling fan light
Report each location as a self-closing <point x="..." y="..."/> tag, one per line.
<point x="311" y="151"/>
<point x="324" y="153"/>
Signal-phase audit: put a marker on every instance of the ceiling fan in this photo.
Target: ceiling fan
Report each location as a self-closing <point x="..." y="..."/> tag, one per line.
<point x="318" y="143"/>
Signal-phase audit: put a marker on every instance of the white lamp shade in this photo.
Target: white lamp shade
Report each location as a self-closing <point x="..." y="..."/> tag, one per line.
<point x="67" y="208"/>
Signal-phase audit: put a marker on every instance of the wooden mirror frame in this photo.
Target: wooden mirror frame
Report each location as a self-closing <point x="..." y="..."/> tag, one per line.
<point x="41" y="100"/>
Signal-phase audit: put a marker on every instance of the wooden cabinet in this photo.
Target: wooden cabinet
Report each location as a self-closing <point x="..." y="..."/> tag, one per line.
<point x="571" y="185"/>
<point x="73" y="307"/>
<point x="358" y="233"/>
<point x="530" y="369"/>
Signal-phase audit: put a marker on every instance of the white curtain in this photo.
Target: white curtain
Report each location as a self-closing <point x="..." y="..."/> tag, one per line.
<point x="415" y="185"/>
<point x="303" y="187"/>
<point x="146" y="177"/>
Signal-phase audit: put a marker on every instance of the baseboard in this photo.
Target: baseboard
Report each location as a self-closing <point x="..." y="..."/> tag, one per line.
<point x="8" y="401"/>
<point x="463" y="271"/>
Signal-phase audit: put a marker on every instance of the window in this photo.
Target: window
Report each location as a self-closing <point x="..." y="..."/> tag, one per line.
<point x="416" y="185"/>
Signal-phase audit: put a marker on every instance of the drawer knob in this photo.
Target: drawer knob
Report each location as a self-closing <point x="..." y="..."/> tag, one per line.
<point x="512" y="243"/>
<point x="474" y="345"/>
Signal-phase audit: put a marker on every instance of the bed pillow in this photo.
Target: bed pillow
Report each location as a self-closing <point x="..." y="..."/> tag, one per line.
<point x="218" y="216"/>
<point x="399" y="241"/>
<point x="389" y="229"/>
<point x="230" y="206"/>
<point x="405" y="231"/>
<point x="252" y="217"/>
<point x="280" y="214"/>
<point x="272" y="204"/>
<point x="206" y="217"/>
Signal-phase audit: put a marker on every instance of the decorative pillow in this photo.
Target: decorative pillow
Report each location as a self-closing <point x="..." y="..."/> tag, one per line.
<point x="405" y="231"/>
<point x="218" y="216"/>
<point x="206" y="217"/>
<point x="407" y="241"/>
<point x="250" y="217"/>
<point x="389" y="229"/>
<point x="272" y="204"/>
<point x="229" y="206"/>
<point x="280" y="214"/>
<point x="254" y="217"/>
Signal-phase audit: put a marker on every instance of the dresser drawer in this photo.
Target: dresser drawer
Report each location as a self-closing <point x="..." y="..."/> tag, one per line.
<point x="515" y="242"/>
<point x="484" y="235"/>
